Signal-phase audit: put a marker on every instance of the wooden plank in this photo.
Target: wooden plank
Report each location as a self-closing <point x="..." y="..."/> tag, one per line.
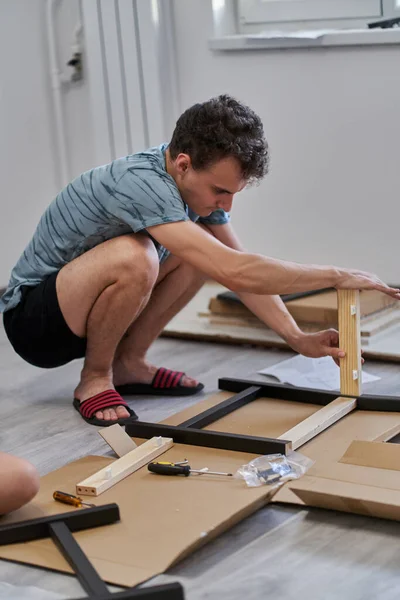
<point x="373" y="454"/>
<point x="372" y="302"/>
<point x="319" y="421"/>
<point x="105" y="478"/>
<point x="378" y="322"/>
<point x="117" y="439"/>
<point x="350" y="342"/>
<point x="388" y="434"/>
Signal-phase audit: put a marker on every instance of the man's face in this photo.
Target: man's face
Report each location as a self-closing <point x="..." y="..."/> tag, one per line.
<point x="209" y="189"/>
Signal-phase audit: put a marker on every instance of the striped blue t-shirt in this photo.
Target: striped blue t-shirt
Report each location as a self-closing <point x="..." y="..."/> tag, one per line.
<point x="125" y="196"/>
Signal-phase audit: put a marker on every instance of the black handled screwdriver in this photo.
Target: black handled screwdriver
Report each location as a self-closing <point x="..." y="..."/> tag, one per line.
<point x="164" y="468"/>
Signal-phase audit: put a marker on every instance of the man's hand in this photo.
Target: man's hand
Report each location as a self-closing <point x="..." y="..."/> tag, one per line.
<point x="354" y="279"/>
<point x="322" y="343"/>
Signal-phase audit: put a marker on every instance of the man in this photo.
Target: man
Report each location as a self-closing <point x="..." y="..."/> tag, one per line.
<point x="125" y="246"/>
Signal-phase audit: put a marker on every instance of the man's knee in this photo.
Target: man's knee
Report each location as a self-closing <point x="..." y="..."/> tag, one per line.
<point x="136" y="260"/>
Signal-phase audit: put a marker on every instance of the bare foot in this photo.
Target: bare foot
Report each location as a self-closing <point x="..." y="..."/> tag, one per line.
<point x="141" y="372"/>
<point x="90" y="386"/>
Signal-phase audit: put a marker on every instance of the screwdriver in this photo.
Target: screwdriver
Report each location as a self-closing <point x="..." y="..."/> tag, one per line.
<point x="70" y="499"/>
<point x="168" y="468"/>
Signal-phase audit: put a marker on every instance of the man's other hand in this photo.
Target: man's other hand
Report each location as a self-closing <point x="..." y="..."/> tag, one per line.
<point x="321" y="343"/>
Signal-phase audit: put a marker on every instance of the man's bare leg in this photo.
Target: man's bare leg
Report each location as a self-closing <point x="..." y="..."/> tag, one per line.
<point x="177" y="283"/>
<point x="100" y="293"/>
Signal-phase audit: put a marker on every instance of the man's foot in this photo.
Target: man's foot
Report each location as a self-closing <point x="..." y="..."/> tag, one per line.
<point x="142" y="372"/>
<point x="89" y="387"/>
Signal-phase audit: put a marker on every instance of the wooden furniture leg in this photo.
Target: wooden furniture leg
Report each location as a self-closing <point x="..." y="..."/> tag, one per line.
<point x="350" y="342"/>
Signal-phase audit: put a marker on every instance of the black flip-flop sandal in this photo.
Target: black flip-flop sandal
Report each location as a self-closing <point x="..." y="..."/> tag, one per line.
<point x="165" y="383"/>
<point x="107" y="399"/>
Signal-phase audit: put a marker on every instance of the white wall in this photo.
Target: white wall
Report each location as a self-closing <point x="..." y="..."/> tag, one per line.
<point x="29" y="166"/>
<point x="28" y="159"/>
<point x="331" y="117"/>
<point x="332" y="120"/>
<point x="76" y="97"/>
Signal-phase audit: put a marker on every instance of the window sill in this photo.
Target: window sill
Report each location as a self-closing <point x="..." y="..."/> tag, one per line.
<point x="310" y="39"/>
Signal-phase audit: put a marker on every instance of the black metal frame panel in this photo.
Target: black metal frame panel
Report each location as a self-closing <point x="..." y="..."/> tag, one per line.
<point x="170" y="591"/>
<point x="36" y="529"/>
<point x="190" y="431"/>
<point x="279" y="391"/>
<point x="282" y="392"/>
<point x="379" y="403"/>
<point x="209" y="439"/>
<point x="87" y="575"/>
<point x="59" y="527"/>
<point x="223" y="408"/>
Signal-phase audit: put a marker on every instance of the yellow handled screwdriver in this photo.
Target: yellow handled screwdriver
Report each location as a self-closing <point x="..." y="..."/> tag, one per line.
<point x="70" y="499"/>
<point x="166" y="468"/>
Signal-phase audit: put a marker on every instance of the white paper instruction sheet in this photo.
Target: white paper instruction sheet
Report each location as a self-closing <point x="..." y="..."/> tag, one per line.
<point x="318" y="373"/>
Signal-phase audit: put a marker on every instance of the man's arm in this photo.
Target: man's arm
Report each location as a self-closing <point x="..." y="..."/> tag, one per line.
<point x="254" y="273"/>
<point x="270" y="309"/>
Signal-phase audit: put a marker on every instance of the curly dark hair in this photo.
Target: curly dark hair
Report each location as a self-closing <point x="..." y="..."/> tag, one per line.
<point x="220" y="128"/>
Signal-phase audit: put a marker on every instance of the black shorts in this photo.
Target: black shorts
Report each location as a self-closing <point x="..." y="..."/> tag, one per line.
<point x="37" y="329"/>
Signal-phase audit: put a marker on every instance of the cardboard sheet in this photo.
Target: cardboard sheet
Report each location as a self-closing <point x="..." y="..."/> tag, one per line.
<point x="349" y="497"/>
<point x="164" y="519"/>
<point x="373" y="454"/>
<point x="319" y="308"/>
<point x="328" y="448"/>
<point x="366" y="490"/>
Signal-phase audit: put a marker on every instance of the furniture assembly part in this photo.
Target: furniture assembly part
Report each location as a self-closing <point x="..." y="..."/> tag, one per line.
<point x="101" y="481"/>
<point x="36" y="529"/>
<point x="283" y="392"/>
<point x="169" y="591"/>
<point x="319" y="421"/>
<point x="278" y="391"/>
<point x="77" y="559"/>
<point x="223" y="408"/>
<point x="59" y="528"/>
<point x="350" y="342"/>
<point x="209" y="439"/>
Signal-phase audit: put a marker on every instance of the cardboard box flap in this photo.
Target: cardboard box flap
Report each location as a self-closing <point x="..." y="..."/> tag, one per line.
<point x="373" y="454"/>
<point x="348" y="497"/>
<point x="381" y="478"/>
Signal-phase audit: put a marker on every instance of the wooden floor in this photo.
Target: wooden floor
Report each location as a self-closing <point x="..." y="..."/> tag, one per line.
<point x="278" y="552"/>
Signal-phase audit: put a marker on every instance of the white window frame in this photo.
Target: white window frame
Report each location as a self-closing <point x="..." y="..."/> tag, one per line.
<point x="261" y="15"/>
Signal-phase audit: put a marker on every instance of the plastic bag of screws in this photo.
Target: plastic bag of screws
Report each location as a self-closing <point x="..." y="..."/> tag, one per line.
<point x="274" y="469"/>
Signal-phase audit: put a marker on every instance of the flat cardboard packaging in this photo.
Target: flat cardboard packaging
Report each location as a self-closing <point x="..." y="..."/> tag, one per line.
<point x="163" y="519"/>
<point x="319" y="308"/>
<point x="371" y="489"/>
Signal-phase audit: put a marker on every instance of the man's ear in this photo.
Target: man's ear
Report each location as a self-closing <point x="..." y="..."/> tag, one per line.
<point x="183" y="163"/>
